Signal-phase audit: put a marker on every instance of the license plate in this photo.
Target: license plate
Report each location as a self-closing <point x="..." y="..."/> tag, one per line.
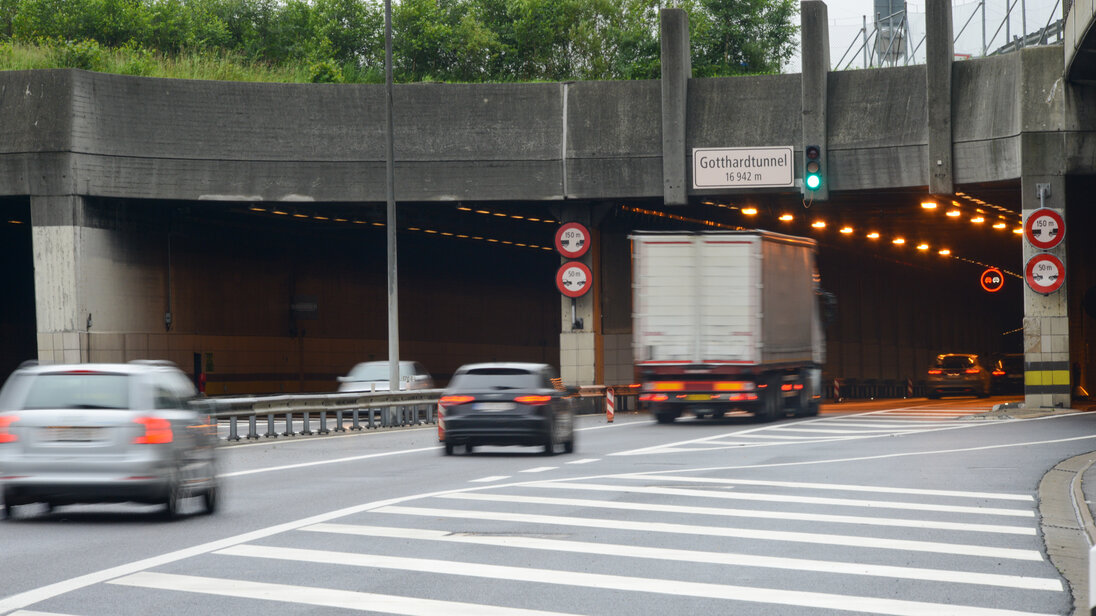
<point x="495" y="406"/>
<point x="58" y="434"/>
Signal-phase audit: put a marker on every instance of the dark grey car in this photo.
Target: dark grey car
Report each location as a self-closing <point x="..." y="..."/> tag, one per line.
<point x="958" y="374"/>
<point x="92" y="433"/>
<point x="506" y="404"/>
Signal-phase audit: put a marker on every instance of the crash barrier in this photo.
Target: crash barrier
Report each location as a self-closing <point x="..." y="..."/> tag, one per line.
<point x="871" y="389"/>
<point x="364" y="410"/>
<point x="592" y="398"/>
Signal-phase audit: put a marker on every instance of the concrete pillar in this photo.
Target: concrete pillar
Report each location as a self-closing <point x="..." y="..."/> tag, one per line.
<point x="939" y="55"/>
<point x="815" y="43"/>
<point x="677" y="68"/>
<point x="1046" y="317"/>
<point x="60" y="306"/>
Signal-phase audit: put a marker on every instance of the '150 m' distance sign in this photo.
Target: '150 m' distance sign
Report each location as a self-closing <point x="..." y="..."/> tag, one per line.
<point x="743" y="167"/>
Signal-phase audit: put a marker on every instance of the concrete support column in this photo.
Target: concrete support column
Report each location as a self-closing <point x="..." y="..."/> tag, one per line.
<point x="815" y="40"/>
<point x="1046" y="317"/>
<point x="579" y="317"/>
<point x="939" y="55"/>
<point x="60" y="302"/>
<point x="677" y="68"/>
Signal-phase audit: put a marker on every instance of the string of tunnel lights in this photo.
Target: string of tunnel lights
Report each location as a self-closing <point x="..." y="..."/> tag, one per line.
<point x="291" y="213"/>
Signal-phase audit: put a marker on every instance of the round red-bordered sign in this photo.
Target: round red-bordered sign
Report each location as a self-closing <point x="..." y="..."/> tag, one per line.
<point x="993" y="280"/>
<point x="1044" y="228"/>
<point x="1045" y="273"/>
<point x="574" y="279"/>
<point x="572" y="240"/>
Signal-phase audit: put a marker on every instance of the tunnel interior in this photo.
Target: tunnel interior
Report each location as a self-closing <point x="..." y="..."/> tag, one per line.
<point x="18" y="340"/>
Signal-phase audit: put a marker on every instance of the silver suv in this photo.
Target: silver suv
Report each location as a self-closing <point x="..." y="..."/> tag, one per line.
<point x="92" y="433"/>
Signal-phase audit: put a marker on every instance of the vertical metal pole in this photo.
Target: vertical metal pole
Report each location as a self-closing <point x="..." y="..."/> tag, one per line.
<point x="390" y="194"/>
<point x="864" y="32"/>
<point x="983" y="4"/>
<point x="1023" y="21"/>
<point x="1008" y="22"/>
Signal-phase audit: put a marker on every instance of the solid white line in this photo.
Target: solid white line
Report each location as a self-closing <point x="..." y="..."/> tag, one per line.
<point x="714" y="558"/>
<point x="599" y="581"/>
<point x="749" y="513"/>
<point x="489" y="479"/>
<point x="323" y="597"/>
<point x="585" y="461"/>
<point x="832" y="431"/>
<point x="838" y="486"/>
<point x="539" y="469"/>
<point x="709" y="531"/>
<point x="776" y="498"/>
<point x="31" y="613"/>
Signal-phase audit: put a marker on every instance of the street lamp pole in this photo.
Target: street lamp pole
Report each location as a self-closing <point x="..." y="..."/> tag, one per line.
<point x="390" y="194"/>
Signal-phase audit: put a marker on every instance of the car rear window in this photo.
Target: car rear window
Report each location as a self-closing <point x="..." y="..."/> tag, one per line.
<point x="499" y="378"/>
<point x="955" y="363"/>
<point x="82" y="390"/>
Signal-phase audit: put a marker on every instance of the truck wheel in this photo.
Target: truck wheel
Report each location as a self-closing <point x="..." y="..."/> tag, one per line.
<point x="664" y="416"/>
<point x="772" y="404"/>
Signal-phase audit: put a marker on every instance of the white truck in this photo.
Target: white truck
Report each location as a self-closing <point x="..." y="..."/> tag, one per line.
<point x="727" y="321"/>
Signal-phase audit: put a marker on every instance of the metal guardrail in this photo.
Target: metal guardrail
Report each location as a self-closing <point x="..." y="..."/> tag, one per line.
<point x="365" y="410"/>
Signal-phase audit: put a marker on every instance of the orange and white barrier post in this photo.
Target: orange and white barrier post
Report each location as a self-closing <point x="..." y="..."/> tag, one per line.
<point x="610" y="404"/>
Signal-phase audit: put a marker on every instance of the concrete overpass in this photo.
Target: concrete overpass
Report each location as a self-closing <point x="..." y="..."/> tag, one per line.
<point x="137" y="193"/>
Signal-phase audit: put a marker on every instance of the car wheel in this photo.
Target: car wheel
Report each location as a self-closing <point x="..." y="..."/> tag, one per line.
<point x="448" y="449"/>
<point x="469" y="448"/>
<point x="209" y="500"/>
<point x="569" y="444"/>
<point x="171" y="500"/>
<point x="9" y="510"/>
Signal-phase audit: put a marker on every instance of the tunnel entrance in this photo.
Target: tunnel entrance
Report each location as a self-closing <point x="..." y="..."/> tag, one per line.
<point x="18" y="328"/>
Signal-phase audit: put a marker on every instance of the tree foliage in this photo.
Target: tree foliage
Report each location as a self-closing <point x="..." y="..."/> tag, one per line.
<point x="433" y="40"/>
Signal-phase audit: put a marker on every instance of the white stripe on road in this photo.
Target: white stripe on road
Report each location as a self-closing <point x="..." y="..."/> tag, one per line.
<point x="599" y="581"/>
<point x="539" y="469"/>
<point x="841" y="487"/>
<point x="322" y="597"/>
<point x="713" y="558"/>
<point x="584" y="461"/>
<point x="489" y="479"/>
<point x="749" y="513"/>
<point x="286" y="467"/>
<point x="709" y="531"/>
<point x="778" y="498"/>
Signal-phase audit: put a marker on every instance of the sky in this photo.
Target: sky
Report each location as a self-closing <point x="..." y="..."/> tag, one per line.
<point x="846" y="23"/>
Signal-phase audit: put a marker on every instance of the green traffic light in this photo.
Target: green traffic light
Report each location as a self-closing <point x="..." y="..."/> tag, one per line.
<point x="814" y="182"/>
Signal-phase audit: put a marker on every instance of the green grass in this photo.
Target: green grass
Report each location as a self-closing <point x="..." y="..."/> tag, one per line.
<point x="223" y="66"/>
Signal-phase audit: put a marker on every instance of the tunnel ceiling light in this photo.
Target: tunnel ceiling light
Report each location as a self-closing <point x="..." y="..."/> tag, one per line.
<point x="1018" y="230"/>
<point x="954" y="213"/>
<point x="874" y="235"/>
<point x="999" y="225"/>
<point x="464" y="209"/>
<point x="943" y="251"/>
<point x="749" y="211"/>
<point x="846" y="230"/>
<point x="787" y="217"/>
<point x="922" y="246"/>
<point x="978" y="220"/>
<point x="281" y="213"/>
<point x="898" y="241"/>
<point x="928" y="205"/>
<point x="819" y="224"/>
<point x="340" y="220"/>
<point x="256" y="208"/>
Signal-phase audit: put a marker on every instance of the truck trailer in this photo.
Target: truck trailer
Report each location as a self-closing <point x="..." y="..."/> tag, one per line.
<point x="727" y="321"/>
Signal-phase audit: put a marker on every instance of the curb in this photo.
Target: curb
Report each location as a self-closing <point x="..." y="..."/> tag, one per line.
<point x="1067" y="525"/>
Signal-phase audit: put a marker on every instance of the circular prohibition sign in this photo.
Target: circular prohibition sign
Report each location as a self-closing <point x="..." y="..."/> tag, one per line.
<point x="572" y="240"/>
<point x="1045" y="273"/>
<point x="1044" y="228"/>
<point x="573" y="279"/>
<point x="993" y="280"/>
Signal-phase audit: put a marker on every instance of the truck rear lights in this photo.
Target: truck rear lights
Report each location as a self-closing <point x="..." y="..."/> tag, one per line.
<point x="447" y="401"/>
<point x="5" y="435"/>
<point x="157" y="431"/>
<point x="653" y="397"/>
<point x="667" y="386"/>
<point x="733" y="386"/>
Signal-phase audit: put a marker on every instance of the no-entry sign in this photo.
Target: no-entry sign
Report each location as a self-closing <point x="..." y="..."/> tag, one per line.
<point x="993" y="280"/>
<point x="573" y="279"/>
<point x="1044" y="228"/>
<point x="1045" y="273"/>
<point x="572" y="240"/>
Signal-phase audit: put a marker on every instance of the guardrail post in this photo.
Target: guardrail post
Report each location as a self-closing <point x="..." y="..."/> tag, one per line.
<point x="372" y="412"/>
<point x="339" y="421"/>
<point x="323" y="423"/>
<point x="307" y="431"/>
<point x="232" y="435"/>
<point x="252" y="428"/>
<point x="289" y="425"/>
<point x="270" y="431"/>
<point x="356" y="425"/>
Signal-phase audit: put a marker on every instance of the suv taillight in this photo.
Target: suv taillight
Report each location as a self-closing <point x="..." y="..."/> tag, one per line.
<point x="157" y="431"/>
<point x="972" y="371"/>
<point x="533" y="399"/>
<point x="447" y="401"/>
<point x="5" y="435"/>
<point x="936" y="371"/>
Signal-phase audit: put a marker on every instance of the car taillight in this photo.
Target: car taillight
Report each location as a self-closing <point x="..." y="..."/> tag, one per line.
<point x="998" y="372"/>
<point x="971" y="371"/>
<point x="157" y="431"/>
<point x="936" y="371"/>
<point x="447" y="401"/>
<point x="5" y="435"/>
<point x="533" y="399"/>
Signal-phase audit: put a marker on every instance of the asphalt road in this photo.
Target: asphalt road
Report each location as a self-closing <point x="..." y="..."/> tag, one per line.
<point x="906" y="507"/>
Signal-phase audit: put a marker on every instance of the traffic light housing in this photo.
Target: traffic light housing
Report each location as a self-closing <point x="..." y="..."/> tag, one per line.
<point x="812" y="168"/>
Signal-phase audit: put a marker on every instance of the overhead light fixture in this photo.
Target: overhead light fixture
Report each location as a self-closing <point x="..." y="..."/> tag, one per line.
<point x="954" y="213"/>
<point x="846" y="230"/>
<point x="922" y="247"/>
<point x="899" y="241"/>
<point x="928" y="205"/>
<point x="819" y="224"/>
<point x="749" y="211"/>
<point x="1018" y="230"/>
<point x="787" y="217"/>
<point x="978" y="220"/>
<point x="874" y="235"/>
<point x="943" y="251"/>
<point x="1000" y="225"/>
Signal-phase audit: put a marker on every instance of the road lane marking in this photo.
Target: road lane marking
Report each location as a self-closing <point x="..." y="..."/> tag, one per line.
<point x="691" y="556"/>
<point x="708" y="531"/>
<point x="600" y="581"/>
<point x="585" y="461"/>
<point x="749" y="513"/>
<point x="539" y="469"/>
<point x="809" y="500"/>
<point x="489" y="479"/>
<point x="286" y="467"/>
<point x="840" y="487"/>
<point x="322" y="597"/>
